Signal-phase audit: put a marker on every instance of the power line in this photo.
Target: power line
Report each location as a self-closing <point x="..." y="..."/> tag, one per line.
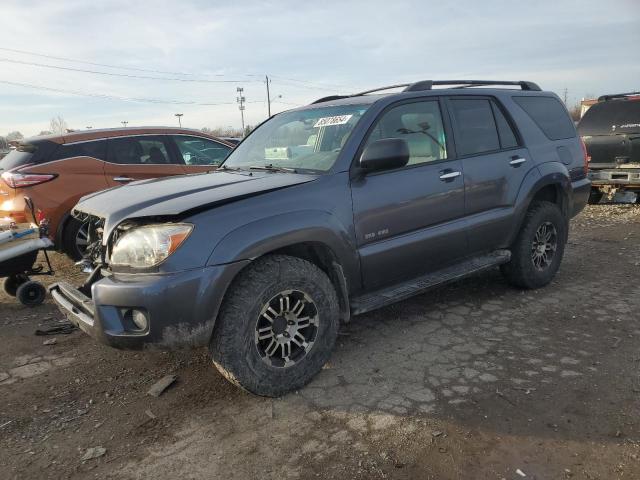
<point x="113" y="74"/>
<point x="116" y="97"/>
<point x="119" y="67"/>
<point x="316" y="84"/>
<point x="302" y="83"/>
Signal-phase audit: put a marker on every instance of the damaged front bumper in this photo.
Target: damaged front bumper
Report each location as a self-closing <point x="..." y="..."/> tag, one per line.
<point x="133" y="311"/>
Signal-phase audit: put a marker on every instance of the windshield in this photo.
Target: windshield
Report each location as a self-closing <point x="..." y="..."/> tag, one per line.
<point x="612" y="117"/>
<point x="299" y="140"/>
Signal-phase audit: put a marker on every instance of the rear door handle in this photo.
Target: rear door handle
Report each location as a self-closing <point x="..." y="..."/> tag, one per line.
<point x="446" y="176"/>
<point x="123" y="179"/>
<point x="517" y="161"/>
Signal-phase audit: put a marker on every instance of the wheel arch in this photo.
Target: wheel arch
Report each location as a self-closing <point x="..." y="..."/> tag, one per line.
<point x="552" y="183"/>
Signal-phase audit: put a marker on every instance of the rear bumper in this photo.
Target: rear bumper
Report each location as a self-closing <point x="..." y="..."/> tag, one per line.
<point x="180" y="308"/>
<point x="624" y="178"/>
<point x="581" y="189"/>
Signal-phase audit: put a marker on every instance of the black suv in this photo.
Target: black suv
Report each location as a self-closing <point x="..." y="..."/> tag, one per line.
<point x="611" y="132"/>
<point x="327" y="211"/>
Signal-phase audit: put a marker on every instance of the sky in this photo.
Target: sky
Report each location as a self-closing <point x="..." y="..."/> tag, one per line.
<point x="190" y="56"/>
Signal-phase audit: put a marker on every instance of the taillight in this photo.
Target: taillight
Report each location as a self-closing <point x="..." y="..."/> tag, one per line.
<point x="586" y="157"/>
<point x="18" y="180"/>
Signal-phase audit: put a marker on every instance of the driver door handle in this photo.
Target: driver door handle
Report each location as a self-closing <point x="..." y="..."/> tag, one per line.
<point x="446" y="176"/>
<point x="517" y="161"/>
<point x="123" y="179"/>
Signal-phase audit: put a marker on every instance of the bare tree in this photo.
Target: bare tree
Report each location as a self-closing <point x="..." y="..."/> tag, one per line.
<point x="4" y="145"/>
<point x="58" y="125"/>
<point x="14" y="136"/>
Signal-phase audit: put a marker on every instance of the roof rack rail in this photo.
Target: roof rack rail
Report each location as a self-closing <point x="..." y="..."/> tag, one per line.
<point x="604" y="98"/>
<point x="330" y="97"/>
<point x="429" y="84"/>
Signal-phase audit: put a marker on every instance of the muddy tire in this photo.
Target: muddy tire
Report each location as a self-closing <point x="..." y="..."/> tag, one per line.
<point x="277" y="326"/>
<point x="537" y="252"/>
<point x="74" y="239"/>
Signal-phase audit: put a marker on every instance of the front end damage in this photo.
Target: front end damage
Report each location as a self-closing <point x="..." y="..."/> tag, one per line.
<point x="128" y="310"/>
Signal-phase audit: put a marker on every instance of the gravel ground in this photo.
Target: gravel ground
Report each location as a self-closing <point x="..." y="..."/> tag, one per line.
<point x="472" y="380"/>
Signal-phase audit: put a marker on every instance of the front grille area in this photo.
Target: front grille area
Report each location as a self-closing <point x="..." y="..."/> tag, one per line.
<point x="95" y="252"/>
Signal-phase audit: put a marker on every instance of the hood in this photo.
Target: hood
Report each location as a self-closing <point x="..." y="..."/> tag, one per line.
<point x="180" y="194"/>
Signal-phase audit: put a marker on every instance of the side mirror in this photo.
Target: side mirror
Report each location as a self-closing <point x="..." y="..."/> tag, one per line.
<point x="385" y="154"/>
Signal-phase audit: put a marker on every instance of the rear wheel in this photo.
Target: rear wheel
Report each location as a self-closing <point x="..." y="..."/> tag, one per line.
<point x="537" y="252"/>
<point x="75" y="239"/>
<point x="277" y="326"/>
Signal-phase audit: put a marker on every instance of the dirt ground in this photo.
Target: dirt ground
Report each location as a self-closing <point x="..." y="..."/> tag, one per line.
<point x="473" y="380"/>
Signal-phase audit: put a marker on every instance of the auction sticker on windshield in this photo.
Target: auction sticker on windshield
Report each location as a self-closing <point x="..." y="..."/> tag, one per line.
<point x="328" y="121"/>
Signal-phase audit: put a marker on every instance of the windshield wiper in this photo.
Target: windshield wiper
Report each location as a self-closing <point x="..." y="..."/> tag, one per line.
<point x="273" y="168"/>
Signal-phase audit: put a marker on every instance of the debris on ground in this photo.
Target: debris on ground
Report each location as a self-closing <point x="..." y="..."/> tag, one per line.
<point x="93" y="452"/>
<point x="161" y="385"/>
<point x="51" y="341"/>
<point x="150" y="414"/>
<point x="521" y="473"/>
<point x="60" y="329"/>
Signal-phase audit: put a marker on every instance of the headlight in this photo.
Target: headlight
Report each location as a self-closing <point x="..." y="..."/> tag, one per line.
<point x="146" y="246"/>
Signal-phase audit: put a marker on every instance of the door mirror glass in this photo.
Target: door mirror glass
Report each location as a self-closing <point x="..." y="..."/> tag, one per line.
<point x="385" y="154"/>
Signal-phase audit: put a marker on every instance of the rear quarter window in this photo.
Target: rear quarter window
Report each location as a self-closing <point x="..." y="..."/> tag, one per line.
<point x="549" y="114"/>
<point x="28" y="153"/>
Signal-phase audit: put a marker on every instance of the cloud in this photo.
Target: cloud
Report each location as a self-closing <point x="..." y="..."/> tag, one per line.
<point x="578" y="45"/>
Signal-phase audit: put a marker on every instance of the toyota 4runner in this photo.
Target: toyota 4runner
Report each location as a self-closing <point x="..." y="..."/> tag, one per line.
<point x="328" y="211"/>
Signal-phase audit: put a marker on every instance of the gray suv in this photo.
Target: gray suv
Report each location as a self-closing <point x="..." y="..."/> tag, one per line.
<point x="328" y="211"/>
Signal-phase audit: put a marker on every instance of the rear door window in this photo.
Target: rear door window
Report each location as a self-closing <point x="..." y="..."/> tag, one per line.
<point x="476" y="130"/>
<point x="94" y="149"/>
<point x="201" y="151"/>
<point x="549" y="114"/>
<point x="142" y="150"/>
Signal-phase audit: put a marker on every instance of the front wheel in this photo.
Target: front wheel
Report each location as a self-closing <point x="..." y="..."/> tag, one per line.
<point x="277" y="326"/>
<point x="75" y="239"/>
<point x="537" y="252"/>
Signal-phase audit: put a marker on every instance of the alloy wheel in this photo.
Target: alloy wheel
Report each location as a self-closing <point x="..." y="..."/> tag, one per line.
<point x="544" y="245"/>
<point x="286" y="328"/>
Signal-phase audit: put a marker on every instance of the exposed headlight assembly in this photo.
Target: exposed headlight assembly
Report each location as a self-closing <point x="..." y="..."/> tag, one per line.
<point x="149" y="245"/>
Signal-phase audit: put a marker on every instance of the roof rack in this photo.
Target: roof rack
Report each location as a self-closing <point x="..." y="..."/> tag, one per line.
<point x="604" y="98"/>
<point x="429" y="84"/>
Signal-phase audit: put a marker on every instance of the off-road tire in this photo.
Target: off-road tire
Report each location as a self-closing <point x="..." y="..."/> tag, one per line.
<point x="233" y="344"/>
<point x="69" y="234"/>
<point x="521" y="271"/>
<point x="595" y="196"/>
<point x="11" y="283"/>
<point x="31" y="293"/>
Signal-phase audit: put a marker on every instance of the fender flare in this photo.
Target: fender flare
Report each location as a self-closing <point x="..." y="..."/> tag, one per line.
<point x="550" y="173"/>
<point x="276" y="232"/>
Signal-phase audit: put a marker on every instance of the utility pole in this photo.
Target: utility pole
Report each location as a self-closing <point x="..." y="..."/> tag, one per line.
<point x="566" y="95"/>
<point x="124" y="123"/>
<point x="266" y="78"/>
<point x="240" y="99"/>
<point x="179" y="119"/>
